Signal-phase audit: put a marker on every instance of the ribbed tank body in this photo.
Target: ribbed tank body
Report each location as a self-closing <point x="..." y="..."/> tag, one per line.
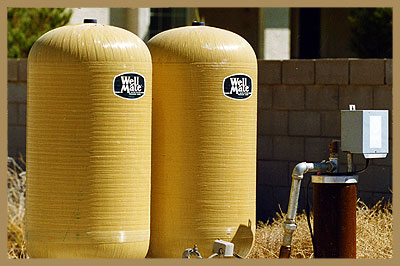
<point x="203" y="142"/>
<point x="88" y="150"/>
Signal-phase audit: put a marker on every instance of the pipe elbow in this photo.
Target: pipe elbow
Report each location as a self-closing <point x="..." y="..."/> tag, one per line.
<point x="300" y="169"/>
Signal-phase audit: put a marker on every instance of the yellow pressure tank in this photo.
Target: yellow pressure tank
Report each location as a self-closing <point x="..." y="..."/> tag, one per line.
<point x="203" y="142"/>
<point x="88" y="144"/>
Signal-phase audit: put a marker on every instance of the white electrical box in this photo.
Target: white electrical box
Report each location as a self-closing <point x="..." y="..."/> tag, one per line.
<point x="365" y="132"/>
<point x="223" y="247"/>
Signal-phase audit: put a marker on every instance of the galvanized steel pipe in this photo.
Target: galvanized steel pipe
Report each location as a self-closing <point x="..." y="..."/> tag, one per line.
<point x="297" y="175"/>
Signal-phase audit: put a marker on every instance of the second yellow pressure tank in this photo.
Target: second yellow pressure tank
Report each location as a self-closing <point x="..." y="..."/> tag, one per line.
<point x="204" y="141"/>
<point x="88" y="144"/>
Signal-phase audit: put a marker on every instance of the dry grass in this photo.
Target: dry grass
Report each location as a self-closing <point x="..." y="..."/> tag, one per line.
<point x="16" y="210"/>
<point x="269" y="238"/>
<point x="374" y="231"/>
<point x="374" y="227"/>
<point x="374" y="234"/>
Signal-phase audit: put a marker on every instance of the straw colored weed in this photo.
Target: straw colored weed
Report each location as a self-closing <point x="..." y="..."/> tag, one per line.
<point x="374" y="234"/>
<point x="269" y="238"/>
<point x="374" y="227"/>
<point x="374" y="231"/>
<point x="16" y="210"/>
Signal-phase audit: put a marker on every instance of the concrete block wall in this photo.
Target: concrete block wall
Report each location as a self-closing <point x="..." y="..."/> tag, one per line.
<point x="299" y="103"/>
<point x="16" y="91"/>
<point x="299" y="114"/>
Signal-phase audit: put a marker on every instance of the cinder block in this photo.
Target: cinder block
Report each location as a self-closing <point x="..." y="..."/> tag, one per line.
<point x="264" y="204"/>
<point x="302" y="199"/>
<point x="367" y="71"/>
<point x="383" y="98"/>
<point x="12" y="69"/>
<point x="383" y="197"/>
<point x="12" y="110"/>
<point x="273" y="173"/>
<point x="358" y="160"/>
<point x="361" y="96"/>
<point x="302" y="196"/>
<point x="322" y="97"/>
<point x="16" y="136"/>
<point x="288" y="98"/>
<point x="298" y="72"/>
<point x="288" y="148"/>
<point x="316" y="149"/>
<point x="16" y="92"/>
<point x="272" y="122"/>
<point x="388" y="161"/>
<point x="330" y="124"/>
<point x="365" y="197"/>
<point x="264" y="97"/>
<point x="292" y="165"/>
<point x="281" y="198"/>
<point x="264" y="148"/>
<point x="332" y="71"/>
<point x="304" y="123"/>
<point x="269" y="72"/>
<point x="389" y="71"/>
<point x="342" y="167"/>
<point x="22" y="114"/>
<point x="12" y="152"/>
<point x="22" y="70"/>
<point x="375" y="179"/>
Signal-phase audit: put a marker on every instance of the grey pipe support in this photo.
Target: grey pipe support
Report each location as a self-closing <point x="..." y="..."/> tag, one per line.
<point x="297" y="175"/>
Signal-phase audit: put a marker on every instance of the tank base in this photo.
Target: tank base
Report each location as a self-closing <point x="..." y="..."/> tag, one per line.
<point x="61" y="250"/>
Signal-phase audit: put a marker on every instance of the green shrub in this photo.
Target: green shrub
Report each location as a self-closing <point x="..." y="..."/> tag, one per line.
<point x="26" y="25"/>
<point x="371" y="32"/>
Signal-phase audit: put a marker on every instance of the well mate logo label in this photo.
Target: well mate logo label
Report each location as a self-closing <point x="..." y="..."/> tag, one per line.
<point x="130" y="86"/>
<point x="237" y="86"/>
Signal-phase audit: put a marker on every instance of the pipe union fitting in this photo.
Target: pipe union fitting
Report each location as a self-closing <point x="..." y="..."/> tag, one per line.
<point x="290" y="227"/>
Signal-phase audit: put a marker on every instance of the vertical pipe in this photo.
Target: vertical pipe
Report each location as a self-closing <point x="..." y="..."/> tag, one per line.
<point x="297" y="175"/>
<point x="349" y="162"/>
<point x="335" y="220"/>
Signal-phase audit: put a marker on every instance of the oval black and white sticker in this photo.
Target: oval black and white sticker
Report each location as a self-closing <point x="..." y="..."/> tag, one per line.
<point x="237" y="86"/>
<point x="130" y="85"/>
